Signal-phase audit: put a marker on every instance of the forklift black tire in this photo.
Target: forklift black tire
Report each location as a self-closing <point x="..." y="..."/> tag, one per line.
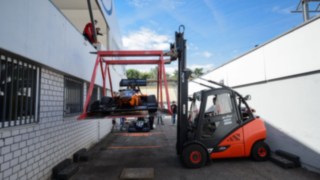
<point x="194" y="156"/>
<point x="260" y="151"/>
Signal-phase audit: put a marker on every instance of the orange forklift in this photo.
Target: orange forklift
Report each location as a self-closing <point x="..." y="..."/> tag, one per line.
<point x="220" y="124"/>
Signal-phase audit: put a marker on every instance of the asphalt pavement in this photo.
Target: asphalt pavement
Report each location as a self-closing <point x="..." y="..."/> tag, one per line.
<point x="155" y="151"/>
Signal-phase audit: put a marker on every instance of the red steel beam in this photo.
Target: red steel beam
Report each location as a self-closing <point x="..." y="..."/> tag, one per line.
<point x="135" y="61"/>
<point x="158" y="85"/>
<point x="160" y="82"/>
<point x="89" y="93"/>
<point x="166" y="88"/>
<point x="126" y="62"/>
<point x="110" y="81"/>
<point x="129" y="53"/>
<point x="104" y="82"/>
<point x="103" y="72"/>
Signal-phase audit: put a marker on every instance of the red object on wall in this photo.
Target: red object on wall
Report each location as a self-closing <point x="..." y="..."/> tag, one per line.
<point x="88" y="32"/>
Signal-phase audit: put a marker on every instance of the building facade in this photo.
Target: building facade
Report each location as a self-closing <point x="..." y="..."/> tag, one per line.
<point x="46" y="67"/>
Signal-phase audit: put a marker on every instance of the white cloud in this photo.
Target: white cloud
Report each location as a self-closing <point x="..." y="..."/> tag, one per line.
<point x="139" y="3"/>
<point x="206" y="54"/>
<point x="202" y="54"/>
<point x="167" y="4"/>
<point x="146" y="39"/>
<point x="280" y="10"/>
<point x="205" y="67"/>
<point x="192" y="47"/>
<point x="171" y="69"/>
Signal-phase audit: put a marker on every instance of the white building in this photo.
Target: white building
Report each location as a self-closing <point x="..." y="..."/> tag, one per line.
<point x="46" y="65"/>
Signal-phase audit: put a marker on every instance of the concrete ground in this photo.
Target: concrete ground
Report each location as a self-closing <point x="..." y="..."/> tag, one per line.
<point x="156" y="150"/>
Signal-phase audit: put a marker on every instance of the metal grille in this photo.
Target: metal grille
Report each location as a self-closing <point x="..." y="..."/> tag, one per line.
<point x="19" y="82"/>
<point x="73" y="96"/>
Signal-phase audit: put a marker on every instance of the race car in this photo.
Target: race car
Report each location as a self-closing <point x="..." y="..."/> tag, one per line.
<point x="140" y="125"/>
<point x="127" y="100"/>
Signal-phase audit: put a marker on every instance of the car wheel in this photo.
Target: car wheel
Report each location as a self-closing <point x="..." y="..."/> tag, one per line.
<point x="194" y="156"/>
<point x="260" y="151"/>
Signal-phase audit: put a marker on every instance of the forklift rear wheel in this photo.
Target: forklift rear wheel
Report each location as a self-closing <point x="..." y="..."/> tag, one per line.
<point x="260" y="151"/>
<point x="194" y="156"/>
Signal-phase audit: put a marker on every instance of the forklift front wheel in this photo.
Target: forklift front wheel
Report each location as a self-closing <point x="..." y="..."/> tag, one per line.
<point x="194" y="156"/>
<point x="260" y="151"/>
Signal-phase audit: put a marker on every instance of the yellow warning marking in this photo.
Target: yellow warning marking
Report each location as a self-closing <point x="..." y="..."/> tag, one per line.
<point x="137" y="173"/>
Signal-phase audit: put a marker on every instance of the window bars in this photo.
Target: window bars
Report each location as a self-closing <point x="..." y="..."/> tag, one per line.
<point x="19" y="82"/>
<point x="73" y="96"/>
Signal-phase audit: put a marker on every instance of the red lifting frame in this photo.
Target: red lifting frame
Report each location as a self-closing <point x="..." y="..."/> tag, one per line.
<point x="155" y="57"/>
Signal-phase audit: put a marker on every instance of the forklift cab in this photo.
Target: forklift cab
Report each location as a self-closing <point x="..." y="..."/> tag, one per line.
<point x="215" y="113"/>
<point x="221" y="125"/>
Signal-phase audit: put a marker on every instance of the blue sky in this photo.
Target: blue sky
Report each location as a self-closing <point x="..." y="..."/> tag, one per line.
<point x="216" y="31"/>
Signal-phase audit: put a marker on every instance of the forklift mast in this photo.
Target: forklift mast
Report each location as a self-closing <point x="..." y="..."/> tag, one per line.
<point x="183" y="76"/>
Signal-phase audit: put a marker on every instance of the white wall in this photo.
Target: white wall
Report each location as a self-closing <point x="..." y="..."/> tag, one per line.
<point x="108" y="8"/>
<point x="289" y="105"/>
<point x="293" y="53"/>
<point x="37" y="30"/>
<point x="290" y="108"/>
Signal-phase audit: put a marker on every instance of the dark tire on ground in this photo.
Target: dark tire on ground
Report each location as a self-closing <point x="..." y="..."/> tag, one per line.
<point x="194" y="156"/>
<point x="260" y="151"/>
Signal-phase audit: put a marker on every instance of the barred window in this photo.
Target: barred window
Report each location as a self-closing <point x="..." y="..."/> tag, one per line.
<point x="19" y="82"/>
<point x="73" y="96"/>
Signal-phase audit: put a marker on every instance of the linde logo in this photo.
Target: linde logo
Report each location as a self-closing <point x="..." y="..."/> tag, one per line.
<point x="108" y="11"/>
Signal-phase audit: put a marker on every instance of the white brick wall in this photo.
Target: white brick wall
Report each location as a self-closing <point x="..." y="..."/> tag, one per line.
<point x="31" y="151"/>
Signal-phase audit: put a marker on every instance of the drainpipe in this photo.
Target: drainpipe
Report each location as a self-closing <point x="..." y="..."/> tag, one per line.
<point x="92" y="21"/>
<point x="305" y="9"/>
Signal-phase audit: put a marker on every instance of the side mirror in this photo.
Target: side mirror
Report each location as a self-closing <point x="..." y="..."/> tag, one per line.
<point x="247" y="97"/>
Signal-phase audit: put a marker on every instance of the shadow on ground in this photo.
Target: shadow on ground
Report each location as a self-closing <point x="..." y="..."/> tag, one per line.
<point x="156" y="150"/>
